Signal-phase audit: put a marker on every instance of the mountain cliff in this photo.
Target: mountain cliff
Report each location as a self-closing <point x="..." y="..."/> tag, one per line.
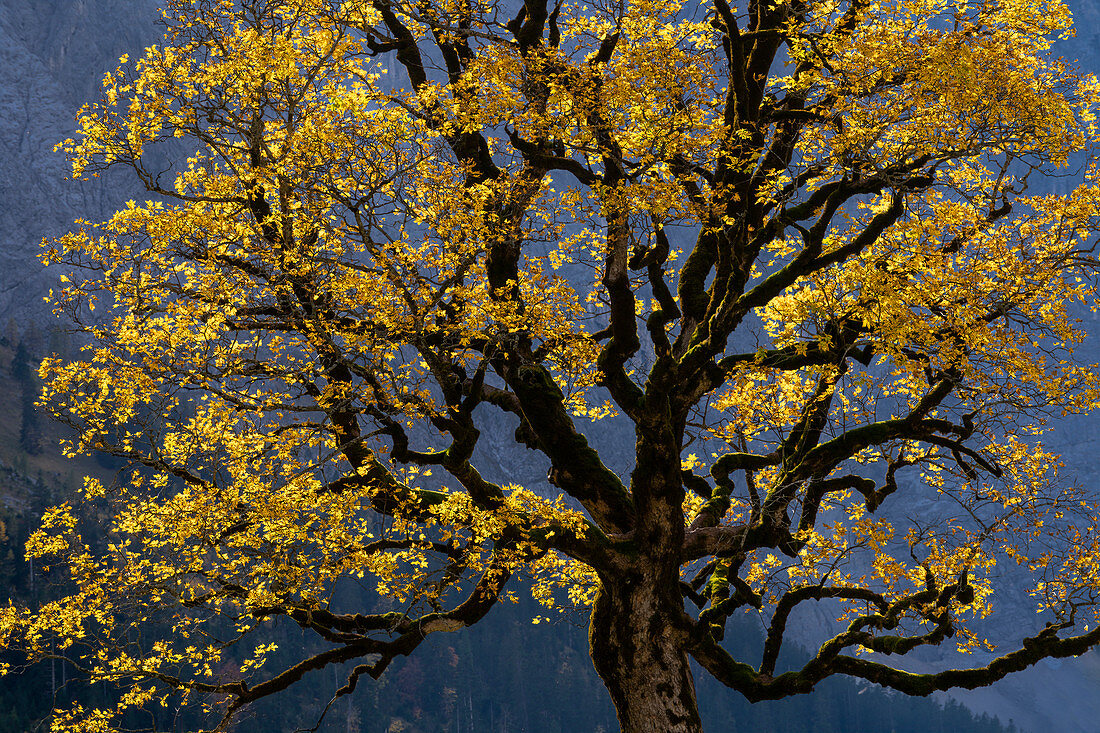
<point x="53" y="54"/>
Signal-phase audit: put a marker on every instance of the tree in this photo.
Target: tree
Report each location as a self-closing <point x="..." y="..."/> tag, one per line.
<point x="788" y="249"/>
<point x="30" y="429"/>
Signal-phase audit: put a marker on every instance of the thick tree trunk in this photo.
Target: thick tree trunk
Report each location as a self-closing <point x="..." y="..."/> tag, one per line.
<point x="636" y="651"/>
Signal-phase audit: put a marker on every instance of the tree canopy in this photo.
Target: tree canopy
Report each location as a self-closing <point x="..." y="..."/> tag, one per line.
<point x="788" y="250"/>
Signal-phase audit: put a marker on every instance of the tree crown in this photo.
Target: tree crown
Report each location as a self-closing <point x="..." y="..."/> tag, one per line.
<point x="786" y="249"/>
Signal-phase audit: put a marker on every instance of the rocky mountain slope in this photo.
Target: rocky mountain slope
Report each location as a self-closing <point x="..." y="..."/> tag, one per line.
<point x="53" y="54"/>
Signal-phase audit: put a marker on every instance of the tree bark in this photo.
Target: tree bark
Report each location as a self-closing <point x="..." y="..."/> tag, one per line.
<point x="635" y="647"/>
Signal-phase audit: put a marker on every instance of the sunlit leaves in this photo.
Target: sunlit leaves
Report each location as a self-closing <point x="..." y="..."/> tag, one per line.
<point x="384" y="221"/>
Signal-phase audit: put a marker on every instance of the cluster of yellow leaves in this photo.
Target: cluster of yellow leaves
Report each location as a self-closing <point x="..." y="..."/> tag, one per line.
<point x="322" y="219"/>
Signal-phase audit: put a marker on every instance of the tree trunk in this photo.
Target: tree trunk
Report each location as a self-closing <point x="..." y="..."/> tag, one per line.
<point x="635" y="647"/>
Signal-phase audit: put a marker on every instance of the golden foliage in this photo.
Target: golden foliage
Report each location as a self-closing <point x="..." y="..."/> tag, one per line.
<point x="353" y="257"/>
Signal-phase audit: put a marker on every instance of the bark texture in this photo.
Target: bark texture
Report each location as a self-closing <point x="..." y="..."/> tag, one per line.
<point x="637" y="651"/>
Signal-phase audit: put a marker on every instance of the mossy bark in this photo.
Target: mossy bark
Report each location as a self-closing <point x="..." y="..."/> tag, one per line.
<point x="636" y="649"/>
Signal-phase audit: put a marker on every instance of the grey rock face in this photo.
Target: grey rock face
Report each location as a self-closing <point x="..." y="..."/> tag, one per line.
<point x="53" y="56"/>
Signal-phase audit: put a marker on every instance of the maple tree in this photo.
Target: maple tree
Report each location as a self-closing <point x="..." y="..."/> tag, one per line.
<point x="787" y="248"/>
